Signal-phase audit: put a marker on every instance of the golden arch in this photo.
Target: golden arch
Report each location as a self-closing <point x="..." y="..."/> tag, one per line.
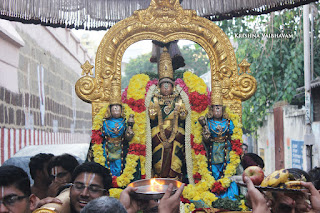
<point x="166" y="20"/>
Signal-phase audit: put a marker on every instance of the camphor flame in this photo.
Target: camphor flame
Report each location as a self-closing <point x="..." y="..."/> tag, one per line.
<point x="155" y="186"/>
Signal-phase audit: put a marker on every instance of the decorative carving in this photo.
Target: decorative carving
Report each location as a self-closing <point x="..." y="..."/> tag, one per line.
<point x="165" y="21"/>
<point x="86" y="68"/>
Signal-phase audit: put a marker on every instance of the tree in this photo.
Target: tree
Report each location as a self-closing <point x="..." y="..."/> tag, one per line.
<point x="196" y="60"/>
<point x="139" y="65"/>
<point x="275" y="49"/>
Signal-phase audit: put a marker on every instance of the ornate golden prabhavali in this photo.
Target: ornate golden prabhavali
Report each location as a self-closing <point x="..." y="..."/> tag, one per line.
<point x="165" y="21"/>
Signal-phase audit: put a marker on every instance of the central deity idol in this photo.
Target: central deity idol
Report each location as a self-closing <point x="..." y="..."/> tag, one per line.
<point x="167" y="114"/>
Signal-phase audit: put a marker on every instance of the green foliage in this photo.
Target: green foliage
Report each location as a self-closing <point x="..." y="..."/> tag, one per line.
<point x="277" y="63"/>
<point x="227" y="204"/>
<point x="139" y="65"/>
<point x="196" y="60"/>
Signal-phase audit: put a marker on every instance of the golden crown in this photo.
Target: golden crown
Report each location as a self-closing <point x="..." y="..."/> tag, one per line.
<point x="115" y="95"/>
<point x="216" y="93"/>
<point x="165" y="65"/>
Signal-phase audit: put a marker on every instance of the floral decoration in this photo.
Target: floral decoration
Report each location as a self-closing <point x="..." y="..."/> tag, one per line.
<point x="150" y="83"/>
<point x="198" y="102"/>
<point x="183" y="85"/>
<point x="205" y="185"/>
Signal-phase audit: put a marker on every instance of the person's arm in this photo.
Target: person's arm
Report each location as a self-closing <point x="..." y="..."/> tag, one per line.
<point x="258" y="201"/>
<point x="39" y="203"/>
<point x="314" y="197"/>
<point x="170" y="204"/>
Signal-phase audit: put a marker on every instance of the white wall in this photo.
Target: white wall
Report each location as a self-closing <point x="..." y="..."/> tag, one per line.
<point x="294" y="129"/>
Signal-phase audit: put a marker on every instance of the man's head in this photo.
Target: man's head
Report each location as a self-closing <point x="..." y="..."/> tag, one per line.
<point x="315" y="177"/>
<point x="90" y="180"/>
<point x="61" y="167"/>
<point x="244" y="148"/>
<point x="251" y="159"/>
<point x="15" y="191"/>
<point x="38" y="167"/>
<point x="104" y="204"/>
<point x="288" y="202"/>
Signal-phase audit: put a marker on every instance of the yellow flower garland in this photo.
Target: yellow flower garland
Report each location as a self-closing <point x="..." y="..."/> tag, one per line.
<point x="136" y="90"/>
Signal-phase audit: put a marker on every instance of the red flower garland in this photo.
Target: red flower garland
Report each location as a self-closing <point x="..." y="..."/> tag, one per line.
<point x="198" y="102"/>
<point x="198" y="148"/>
<point x="137" y="149"/>
<point x="184" y="200"/>
<point x="136" y="105"/>
<point x="197" y="177"/>
<point x="218" y="188"/>
<point x="236" y="146"/>
<point x="114" y="182"/>
<point x="96" y="137"/>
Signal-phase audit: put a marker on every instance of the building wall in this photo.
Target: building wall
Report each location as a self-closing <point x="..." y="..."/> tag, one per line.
<point x="294" y="130"/>
<point x="38" y="104"/>
<point x="265" y="143"/>
<point x="316" y="103"/>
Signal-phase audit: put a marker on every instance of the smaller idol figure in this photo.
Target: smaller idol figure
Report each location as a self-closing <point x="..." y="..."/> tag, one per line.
<point x="116" y="133"/>
<point x="216" y="131"/>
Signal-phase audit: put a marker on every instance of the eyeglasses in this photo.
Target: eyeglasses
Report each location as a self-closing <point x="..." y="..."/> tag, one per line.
<point x="59" y="175"/>
<point x="92" y="188"/>
<point x="10" y="200"/>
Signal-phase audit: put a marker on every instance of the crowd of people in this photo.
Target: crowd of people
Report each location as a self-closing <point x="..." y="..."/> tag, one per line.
<point x="62" y="185"/>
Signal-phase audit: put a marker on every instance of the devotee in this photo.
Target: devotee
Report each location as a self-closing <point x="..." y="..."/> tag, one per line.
<point x="257" y="199"/>
<point x="284" y="202"/>
<point x="60" y="169"/>
<point x="251" y="159"/>
<point x="244" y="148"/>
<point x="15" y="193"/>
<point x="104" y="204"/>
<point x="90" y="180"/>
<point x="38" y="170"/>
<point x="315" y="177"/>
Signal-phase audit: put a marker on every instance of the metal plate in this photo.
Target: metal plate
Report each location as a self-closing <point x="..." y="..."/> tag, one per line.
<point x="274" y="189"/>
<point x="143" y="191"/>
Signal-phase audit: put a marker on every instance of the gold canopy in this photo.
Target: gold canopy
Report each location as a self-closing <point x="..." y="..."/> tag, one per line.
<point x="166" y="23"/>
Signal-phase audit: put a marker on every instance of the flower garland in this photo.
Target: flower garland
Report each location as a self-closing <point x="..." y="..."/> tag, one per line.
<point x="203" y="177"/>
